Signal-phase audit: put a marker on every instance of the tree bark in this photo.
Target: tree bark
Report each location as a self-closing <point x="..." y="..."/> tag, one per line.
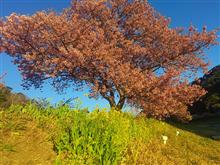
<point x="111" y="99"/>
<point x="120" y="104"/>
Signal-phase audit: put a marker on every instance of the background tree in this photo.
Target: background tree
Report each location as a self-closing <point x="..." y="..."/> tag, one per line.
<point x="211" y="101"/>
<point x="7" y="97"/>
<point x="125" y="51"/>
<point x="2" y="87"/>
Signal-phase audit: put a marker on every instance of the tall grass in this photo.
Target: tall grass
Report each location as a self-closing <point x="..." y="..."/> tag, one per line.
<point x="98" y="137"/>
<point x="109" y="138"/>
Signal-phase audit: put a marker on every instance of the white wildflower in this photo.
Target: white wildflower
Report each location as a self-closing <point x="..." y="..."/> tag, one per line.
<point x="177" y="133"/>
<point x="165" y="138"/>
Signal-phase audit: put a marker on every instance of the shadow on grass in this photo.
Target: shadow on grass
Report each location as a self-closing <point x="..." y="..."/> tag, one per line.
<point x="208" y="127"/>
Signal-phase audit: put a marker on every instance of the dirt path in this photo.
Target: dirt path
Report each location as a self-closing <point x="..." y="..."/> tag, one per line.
<point x="23" y="143"/>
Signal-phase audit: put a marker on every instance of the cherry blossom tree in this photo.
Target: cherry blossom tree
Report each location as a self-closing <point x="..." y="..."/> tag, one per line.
<point x="124" y="51"/>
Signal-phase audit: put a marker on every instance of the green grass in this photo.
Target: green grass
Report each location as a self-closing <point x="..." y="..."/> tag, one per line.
<point x="207" y="127"/>
<point x="7" y="147"/>
<point x="109" y="138"/>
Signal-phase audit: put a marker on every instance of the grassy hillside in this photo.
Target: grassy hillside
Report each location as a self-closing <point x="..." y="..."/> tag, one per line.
<point x="60" y="136"/>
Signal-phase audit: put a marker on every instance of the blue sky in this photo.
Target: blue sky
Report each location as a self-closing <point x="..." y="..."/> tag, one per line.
<point x="181" y="12"/>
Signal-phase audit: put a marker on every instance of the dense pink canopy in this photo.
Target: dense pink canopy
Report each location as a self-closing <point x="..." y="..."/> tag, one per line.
<point x="123" y="50"/>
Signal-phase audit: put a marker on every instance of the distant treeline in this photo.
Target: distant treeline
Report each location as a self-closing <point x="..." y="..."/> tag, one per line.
<point x="7" y="97"/>
<point x="211" y="101"/>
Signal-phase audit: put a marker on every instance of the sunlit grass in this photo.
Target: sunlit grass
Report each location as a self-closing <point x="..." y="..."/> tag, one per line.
<point x="102" y="137"/>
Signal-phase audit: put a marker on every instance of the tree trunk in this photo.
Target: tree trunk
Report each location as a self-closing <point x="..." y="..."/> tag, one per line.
<point x="119" y="105"/>
<point x="111" y="100"/>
